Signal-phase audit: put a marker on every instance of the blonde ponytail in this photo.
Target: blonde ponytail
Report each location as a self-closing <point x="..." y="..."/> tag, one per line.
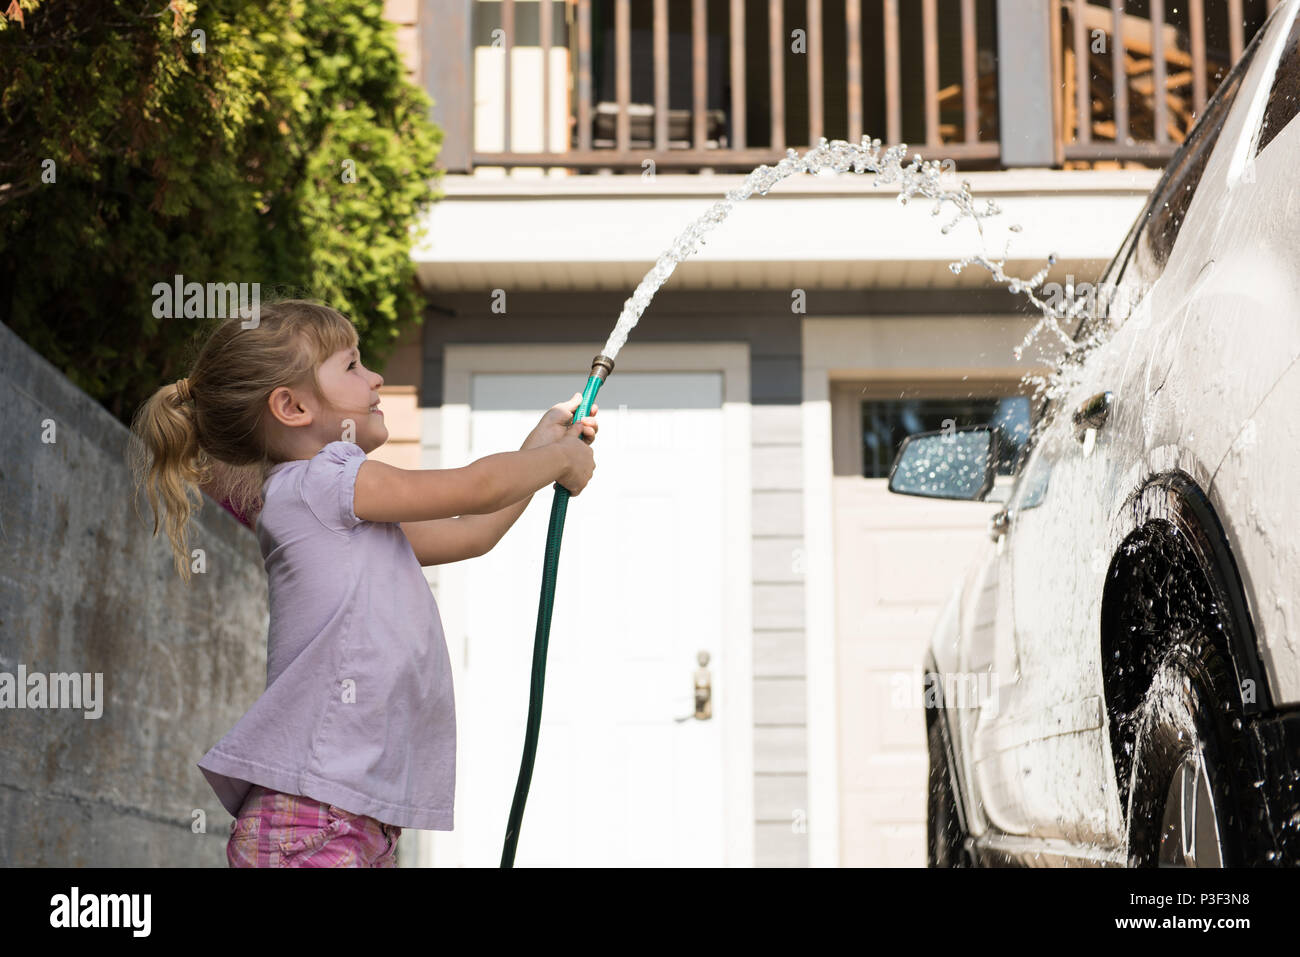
<point x="167" y="461"/>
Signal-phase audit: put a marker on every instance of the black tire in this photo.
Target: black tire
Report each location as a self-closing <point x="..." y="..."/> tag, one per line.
<point x="946" y="843"/>
<point x="1190" y="742"/>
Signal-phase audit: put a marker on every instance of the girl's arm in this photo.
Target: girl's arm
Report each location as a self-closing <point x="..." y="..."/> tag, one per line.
<point x="473" y="494"/>
<point x="385" y="493"/>
<point x="446" y="540"/>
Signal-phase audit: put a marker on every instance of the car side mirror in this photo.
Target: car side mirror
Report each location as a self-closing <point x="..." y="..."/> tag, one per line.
<point x="951" y="463"/>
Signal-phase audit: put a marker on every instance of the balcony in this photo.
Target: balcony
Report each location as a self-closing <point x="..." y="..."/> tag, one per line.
<point x="589" y="86"/>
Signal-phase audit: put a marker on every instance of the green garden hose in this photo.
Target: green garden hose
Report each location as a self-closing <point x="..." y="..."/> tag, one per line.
<point x="601" y="367"/>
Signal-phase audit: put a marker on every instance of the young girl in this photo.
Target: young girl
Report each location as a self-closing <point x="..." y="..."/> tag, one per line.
<point x="355" y="735"/>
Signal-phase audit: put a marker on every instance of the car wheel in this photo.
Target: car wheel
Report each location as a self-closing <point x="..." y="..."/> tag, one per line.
<point x="1187" y="807"/>
<point x="947" y="838"/>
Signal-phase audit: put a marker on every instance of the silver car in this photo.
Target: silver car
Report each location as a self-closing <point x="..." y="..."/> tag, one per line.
<point x="1117" y="680"/>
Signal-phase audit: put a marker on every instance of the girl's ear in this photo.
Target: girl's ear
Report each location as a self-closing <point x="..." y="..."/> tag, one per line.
<point x="286" y="408"/>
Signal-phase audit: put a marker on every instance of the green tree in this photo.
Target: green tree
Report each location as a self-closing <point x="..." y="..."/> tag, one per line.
<point x="275" y="142"/>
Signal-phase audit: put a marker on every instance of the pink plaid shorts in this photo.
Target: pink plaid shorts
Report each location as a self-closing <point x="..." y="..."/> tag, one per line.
<point x="274" y="829"/>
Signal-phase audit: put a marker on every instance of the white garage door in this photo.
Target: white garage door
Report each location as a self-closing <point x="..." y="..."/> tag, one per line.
<point x="639" y="593"/>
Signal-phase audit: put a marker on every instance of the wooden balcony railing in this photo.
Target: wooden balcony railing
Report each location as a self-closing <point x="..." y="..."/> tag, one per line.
<point x="1112" y="54"/>
<point x="990" y="83"/>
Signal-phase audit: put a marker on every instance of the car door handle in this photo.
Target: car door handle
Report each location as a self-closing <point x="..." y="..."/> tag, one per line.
<point x="1092" y="413"/>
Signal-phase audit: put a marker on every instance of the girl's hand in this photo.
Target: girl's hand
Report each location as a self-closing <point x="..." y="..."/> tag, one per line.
<point x="580" y="462"/>
<point x="556" y="421"/>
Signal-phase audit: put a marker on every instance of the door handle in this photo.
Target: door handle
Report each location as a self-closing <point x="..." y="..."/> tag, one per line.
<point x="1092" y="413"/>
<point x="703" y="691"/>
<point x="999" y="523"/>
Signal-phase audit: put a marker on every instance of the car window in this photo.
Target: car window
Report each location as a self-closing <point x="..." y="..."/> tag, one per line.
<point x="1110" y="278"/>
<point x="1031" y="486"/>
<point x="1151" y="239"/>
<point x="1165" y="217"/>
<point x="1032" y="476"/>
<point x="1284" y="97"/>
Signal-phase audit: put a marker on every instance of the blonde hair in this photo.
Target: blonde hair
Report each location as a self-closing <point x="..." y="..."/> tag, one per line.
<point x="209" y="428"/>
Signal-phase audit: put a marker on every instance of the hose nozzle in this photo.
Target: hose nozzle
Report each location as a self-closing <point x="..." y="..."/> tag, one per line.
<point x="602" y="366"/>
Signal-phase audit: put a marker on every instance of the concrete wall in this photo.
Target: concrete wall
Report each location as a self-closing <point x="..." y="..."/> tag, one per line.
<point x="84" y="588"/>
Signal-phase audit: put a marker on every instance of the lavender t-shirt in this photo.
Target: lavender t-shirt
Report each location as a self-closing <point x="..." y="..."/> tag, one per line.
<point x="358" y="710"/>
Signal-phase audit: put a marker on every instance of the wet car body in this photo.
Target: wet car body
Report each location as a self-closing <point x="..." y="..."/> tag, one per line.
<point x="1154" y="513"/>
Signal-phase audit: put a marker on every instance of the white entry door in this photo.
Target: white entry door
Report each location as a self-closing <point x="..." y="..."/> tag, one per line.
<point x="639" y="593"/>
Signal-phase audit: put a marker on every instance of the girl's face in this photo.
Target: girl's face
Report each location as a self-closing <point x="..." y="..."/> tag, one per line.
<point x="353" y="392"/>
